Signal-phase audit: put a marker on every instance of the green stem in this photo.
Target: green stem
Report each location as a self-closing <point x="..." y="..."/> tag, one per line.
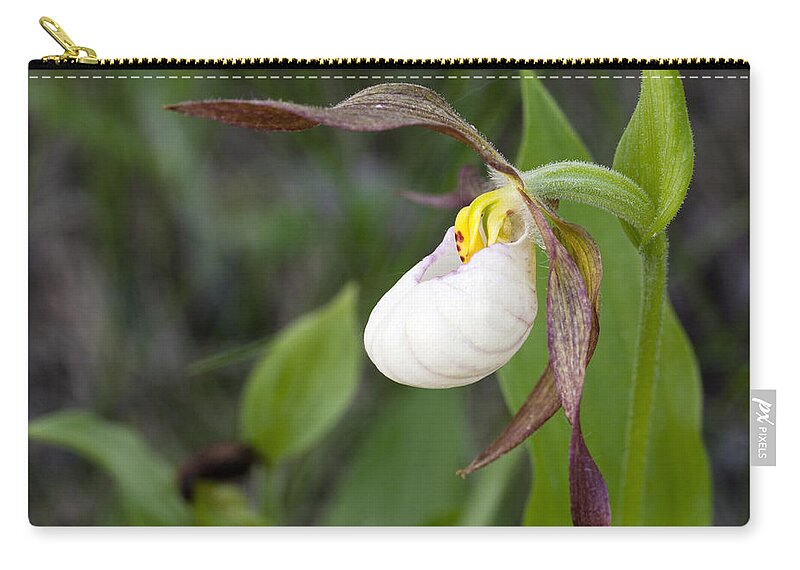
<point x="645" y="375"/>
<point x="595" y="185"/>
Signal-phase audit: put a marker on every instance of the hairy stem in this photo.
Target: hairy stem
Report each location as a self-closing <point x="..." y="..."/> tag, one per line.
<point x="593" y="184"/>
<point x="645" y="376"/>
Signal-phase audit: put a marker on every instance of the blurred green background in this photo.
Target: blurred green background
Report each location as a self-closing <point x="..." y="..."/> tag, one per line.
<point x="158" y="243"/>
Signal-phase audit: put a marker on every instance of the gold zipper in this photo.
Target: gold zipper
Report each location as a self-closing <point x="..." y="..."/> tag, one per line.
<point x="75" y="54"/>
<point x="72" y="52"/>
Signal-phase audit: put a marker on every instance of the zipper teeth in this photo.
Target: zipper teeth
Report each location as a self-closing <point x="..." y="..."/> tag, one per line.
<point x="441" y="63"/>
<point x="381" y="62"/>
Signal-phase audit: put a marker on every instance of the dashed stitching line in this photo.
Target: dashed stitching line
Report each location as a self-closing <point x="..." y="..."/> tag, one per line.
<point x="391" y="77"/>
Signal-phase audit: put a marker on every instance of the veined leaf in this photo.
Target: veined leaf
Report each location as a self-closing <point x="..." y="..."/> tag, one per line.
<point x="305" y="380"/>
<point x="656" y="149"/>
<point x="147" y="484"/>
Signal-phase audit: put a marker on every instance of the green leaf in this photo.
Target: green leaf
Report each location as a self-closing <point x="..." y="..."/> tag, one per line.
<point x="217" y="504"/>
<point x="677" y="490"/>
<point x="676" y="456"/>
<point x="548" y="135"/>
<point x="404" y="473"/>
<point x="305" y="381"/>
<point x="146" y="483"/>
<point x="656" y="149"/>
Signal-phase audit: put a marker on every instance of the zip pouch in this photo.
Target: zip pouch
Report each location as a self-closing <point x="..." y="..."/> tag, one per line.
<point x="380" y="292"/>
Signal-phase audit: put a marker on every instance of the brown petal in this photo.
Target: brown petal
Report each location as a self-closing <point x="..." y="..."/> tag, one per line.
<point x="470" y="186"/>
<point x="572" y="331"/>
<point x="584" y="251"/>
<point x="588" y="492"/>
<point x="539" y="407"/>
<point x="378" y="108"/>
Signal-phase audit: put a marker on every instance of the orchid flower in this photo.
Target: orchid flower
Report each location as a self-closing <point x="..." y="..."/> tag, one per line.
<point x="464" y="310"/>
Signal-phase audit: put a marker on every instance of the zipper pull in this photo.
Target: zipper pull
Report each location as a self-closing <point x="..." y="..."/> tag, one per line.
<point x="72" y="52"/>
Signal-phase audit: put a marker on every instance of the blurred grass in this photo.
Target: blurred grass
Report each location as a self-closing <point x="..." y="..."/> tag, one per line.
<point x="157" y="242"/>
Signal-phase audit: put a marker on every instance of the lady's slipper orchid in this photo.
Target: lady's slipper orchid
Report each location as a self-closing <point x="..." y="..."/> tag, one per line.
<point x="463" y="311"/>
